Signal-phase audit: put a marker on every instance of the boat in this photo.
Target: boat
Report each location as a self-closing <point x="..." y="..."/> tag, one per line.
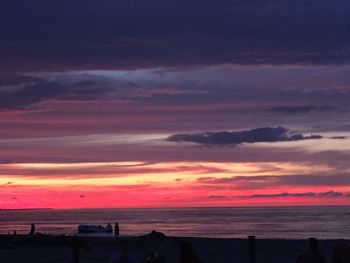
<point x="85" y="229"/>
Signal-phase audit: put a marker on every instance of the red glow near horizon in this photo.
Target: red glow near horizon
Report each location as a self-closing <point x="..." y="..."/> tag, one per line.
<point x="102" y="198"/>
<point x="136" y="184"/>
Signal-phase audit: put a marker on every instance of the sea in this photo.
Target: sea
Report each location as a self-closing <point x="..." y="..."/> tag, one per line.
<point x="221" y="222"/>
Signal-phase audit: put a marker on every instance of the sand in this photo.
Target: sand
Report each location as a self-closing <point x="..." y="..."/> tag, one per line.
<point x="50" y="249"/>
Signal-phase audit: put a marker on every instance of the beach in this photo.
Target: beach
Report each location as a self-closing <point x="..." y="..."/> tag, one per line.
<point x="48" y="248"/>
<point x="216" y="234"/>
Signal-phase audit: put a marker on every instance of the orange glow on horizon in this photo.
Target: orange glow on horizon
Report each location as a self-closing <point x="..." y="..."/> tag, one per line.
<point x="177" y="184"/>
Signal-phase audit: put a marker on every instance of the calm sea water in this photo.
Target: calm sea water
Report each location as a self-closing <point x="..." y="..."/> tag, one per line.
<point x="277" y="222"/>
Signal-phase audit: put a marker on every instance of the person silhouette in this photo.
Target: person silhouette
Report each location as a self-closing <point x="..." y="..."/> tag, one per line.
<point x="116" y="229"/>
<point x="313" y="255"/>
<point x="32" y="230"/>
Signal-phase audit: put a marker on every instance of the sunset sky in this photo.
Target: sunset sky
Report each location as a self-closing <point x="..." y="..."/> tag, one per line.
<point x="153" y="103"/>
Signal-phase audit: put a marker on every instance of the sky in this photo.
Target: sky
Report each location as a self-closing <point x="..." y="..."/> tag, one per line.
<point x="196" y="103"/>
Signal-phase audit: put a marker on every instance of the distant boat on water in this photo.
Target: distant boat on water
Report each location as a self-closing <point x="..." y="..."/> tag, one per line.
<point x="86" y="229"/>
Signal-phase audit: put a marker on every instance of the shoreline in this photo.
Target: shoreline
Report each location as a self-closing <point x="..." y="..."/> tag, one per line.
<point x="280" y="223"/>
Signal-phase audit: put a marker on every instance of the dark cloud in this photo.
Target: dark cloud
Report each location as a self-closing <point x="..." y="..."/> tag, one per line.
<point x="29" y="95"/>
<point x="21" y="91"/>
<point x="235" y="179"/>
<point x="329" y="194"/>
<point x="224" y="138"/>
<point x="13" y="80"/>
<point x="316" y="180"/>
<point x="6" y="161"/>
<point x="18" y="91"/>
<point x="34" y="93"/>
<point x="61" y="34"/>
<point x="279" y="180"/>
<point x="217" y="196"/>
<point x="292" y="110"/>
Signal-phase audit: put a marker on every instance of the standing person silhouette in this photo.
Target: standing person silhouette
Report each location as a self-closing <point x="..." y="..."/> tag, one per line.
<point x="116" y="229"/>
<point x="32" y="230"/>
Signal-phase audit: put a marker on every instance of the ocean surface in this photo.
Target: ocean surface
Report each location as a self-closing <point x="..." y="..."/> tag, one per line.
<point x="235" y="222"/>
